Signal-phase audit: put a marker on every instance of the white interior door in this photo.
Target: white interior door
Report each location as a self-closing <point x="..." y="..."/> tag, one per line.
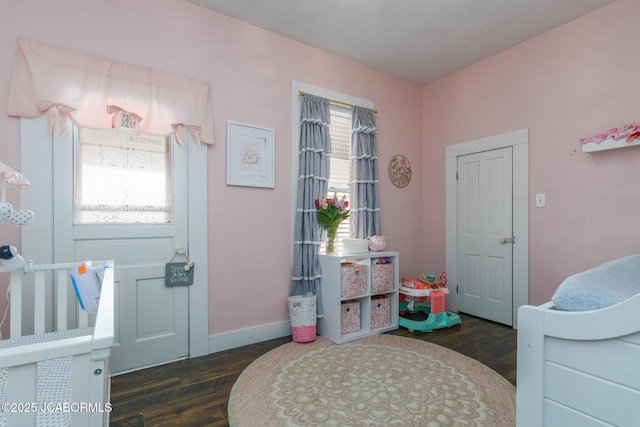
<point x="48" y="157"/>
<point x="152" y="323"/>
<point x="485" y="235"/>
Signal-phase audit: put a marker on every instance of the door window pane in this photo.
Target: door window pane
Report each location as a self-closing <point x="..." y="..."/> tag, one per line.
<point x="122" y="177"/>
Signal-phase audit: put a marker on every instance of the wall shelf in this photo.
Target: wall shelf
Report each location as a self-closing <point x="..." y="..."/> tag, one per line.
<point x="609" y="144"/>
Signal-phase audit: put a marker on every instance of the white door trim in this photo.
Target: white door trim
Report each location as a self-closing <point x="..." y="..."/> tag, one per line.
<point x="37" y="157"/>
<point x="519" y="141"/>
<point x="197" y="215"/>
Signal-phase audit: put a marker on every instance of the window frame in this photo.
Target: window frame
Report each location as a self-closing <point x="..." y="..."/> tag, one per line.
<point x="296" y="88"/>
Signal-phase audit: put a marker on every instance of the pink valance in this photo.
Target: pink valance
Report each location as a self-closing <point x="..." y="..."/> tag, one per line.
<point x="90" y="90"/>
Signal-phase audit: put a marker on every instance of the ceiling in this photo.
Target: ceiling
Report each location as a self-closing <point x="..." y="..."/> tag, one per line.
<point x="417" y="40"/>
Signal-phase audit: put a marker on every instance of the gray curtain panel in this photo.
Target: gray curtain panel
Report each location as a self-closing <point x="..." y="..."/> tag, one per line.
<point x="365" y="201"/>
<point x="315" y="148"/>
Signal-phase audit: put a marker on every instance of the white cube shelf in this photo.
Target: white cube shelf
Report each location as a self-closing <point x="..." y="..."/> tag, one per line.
<point x="330" y="326"/>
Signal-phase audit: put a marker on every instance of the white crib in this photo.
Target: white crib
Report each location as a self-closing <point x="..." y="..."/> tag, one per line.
<point x="58" y="374"/>
<point x="579" y="368"/>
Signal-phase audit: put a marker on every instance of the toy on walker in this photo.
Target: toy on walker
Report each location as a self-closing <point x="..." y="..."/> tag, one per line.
<point x="413" y="296"/>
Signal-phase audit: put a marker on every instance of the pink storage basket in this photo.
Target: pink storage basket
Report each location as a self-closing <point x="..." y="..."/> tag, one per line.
<point x="302" y="312"/>
<point x="353" y="279"/>
<point x="381" y="278"/>
<point x="380" y="312"/>
<point x="349" y="317"/>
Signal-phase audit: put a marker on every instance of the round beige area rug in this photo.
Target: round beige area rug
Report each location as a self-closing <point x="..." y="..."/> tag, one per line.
<point x="382" y="380"/>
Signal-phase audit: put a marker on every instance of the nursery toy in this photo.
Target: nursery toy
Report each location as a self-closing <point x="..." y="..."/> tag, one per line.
<point x="431" y="283"/>
<point x="413" y="297"/>
<point x="413" y="284"/>
<point x="19" y="217"/>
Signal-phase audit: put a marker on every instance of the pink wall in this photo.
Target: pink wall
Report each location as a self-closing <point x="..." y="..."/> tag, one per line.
<point x="574" y="81"/>
<point x="577" y="80"/>
<point x="250" y="72"/>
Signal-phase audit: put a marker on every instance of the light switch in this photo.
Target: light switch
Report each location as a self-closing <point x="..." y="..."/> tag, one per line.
<point x="541" y="200"/>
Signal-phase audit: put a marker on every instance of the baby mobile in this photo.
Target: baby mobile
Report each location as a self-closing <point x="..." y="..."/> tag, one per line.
<point x="19" y="217"/>
<point x="9" y="256"/>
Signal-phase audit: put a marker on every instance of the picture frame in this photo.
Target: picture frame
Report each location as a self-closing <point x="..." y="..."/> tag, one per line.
<point x="250" y="155"/>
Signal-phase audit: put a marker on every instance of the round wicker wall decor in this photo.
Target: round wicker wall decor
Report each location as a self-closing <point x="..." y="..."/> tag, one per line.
<point x="400" y="171"/>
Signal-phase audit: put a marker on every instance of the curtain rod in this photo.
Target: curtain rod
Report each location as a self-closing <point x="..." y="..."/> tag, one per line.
<point x="333" y="101"/>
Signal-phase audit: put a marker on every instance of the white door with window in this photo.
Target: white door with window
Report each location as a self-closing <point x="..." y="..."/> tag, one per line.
<point x="124" y="197"/>
<point x="130" y="205"/>
<point x="485" y="235"/>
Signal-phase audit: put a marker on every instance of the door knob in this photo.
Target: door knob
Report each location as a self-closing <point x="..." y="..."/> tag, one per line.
<point x="511" y="239"/>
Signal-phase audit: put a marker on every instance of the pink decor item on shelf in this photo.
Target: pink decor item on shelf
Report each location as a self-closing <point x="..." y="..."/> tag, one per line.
<point x="630" y="132"/>
<point x="377" y="243"/>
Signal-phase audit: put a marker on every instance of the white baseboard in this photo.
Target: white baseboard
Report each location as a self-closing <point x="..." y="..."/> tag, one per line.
<point x="242" y="337"/>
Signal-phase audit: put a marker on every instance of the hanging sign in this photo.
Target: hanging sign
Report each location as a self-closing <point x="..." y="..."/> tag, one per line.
<point x="178" y="274"/>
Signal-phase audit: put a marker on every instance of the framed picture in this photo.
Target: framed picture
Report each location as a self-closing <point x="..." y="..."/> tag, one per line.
<point x="250" y="155"/>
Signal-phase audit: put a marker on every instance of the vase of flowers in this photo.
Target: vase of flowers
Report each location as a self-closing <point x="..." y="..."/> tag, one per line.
<point x="331" y="212"/>
<point x="331" y="240"/>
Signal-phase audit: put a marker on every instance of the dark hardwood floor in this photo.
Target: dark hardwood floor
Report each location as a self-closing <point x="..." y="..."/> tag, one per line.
<point x="195" y="392"/>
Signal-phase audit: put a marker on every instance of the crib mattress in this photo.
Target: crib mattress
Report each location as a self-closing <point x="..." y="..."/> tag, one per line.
<point x="53" y="376"/>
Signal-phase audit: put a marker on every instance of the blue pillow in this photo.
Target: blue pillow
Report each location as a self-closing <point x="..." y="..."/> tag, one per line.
<point x="599" y="287"/>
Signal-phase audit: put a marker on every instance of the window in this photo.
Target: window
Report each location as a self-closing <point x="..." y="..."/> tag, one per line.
<point x="122" y="177"/>
<point x="341" y="114"/>
<point x="340" y="166"/>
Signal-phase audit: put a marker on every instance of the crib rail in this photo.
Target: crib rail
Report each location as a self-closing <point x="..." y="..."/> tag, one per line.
<point x="40" y="275"/>
<point x="90" y="367"/>
<point x="104" y="326"/>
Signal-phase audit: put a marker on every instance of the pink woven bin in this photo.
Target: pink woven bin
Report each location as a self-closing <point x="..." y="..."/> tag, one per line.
<point x="302" y="312"/>
<point x="303" y="333"/>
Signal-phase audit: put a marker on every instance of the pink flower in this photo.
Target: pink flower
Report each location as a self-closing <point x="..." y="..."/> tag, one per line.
<point x="321" y="203"/>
